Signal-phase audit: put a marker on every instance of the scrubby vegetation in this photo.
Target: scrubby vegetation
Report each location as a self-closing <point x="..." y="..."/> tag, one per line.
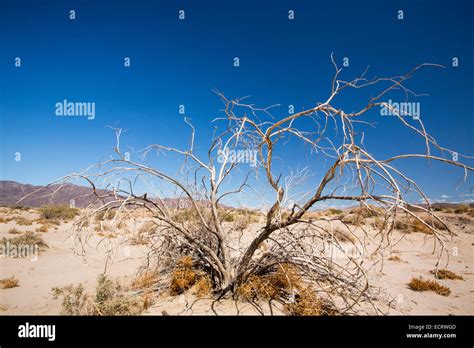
<point x="8" y="283"/>
<point x="58" y="212"/>
<point x="13" y="230"/>
<point x="446" y="274"/>
<point x="420" y="284"/>
<point x="110" y="299"/>
<point x="27" y="239"/>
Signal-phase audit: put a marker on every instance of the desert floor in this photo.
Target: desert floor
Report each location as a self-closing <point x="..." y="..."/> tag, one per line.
<point x="60" y="265"/>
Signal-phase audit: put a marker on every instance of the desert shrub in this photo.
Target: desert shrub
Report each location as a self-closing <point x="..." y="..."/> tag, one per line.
<point x="334" y="211"/>
<point x="13" y="230"/>
<point x="228" y="217"/>
<point x="203" y="286"/>
<point x="58" y="212"/>
<point x="448" y="210"/>
<point x="419" y="284"/>
<point x="418" y="226"/>
<point x="462" y="208"/>
<point x="242" y="223"/>
<point x="446" y="274"/>
<point x="364" y="212"/>
<point x="23" y="221"/>
<point x="110" y="299"/>
<point x="353" y="219"/>
<point x="28" y="238"/>
<point x="20" y="207"/>
<point x="185" y="215"/>
<point x="8" y="283"/>
<point x="395" y="258"/>
<point x="141" y="236"/>
<point x="343" y="235"/>
<point x="183" y="276"/>
<point x="43" y="229"/>
<point x="312" y="215"/>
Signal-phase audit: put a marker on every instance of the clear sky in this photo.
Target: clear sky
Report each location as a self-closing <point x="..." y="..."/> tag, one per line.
<point x="177" y="62"/>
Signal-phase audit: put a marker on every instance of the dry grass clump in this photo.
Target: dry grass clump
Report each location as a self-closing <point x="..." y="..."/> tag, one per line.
<point x="343" y="235"/>
<point x="58" y="212"/>
<point x="306" y="303"/>
<point x="203" y="286"/>
<point x="420" y="284"/>
<point x="365" y="212"/>
<point x="446" y="274"/>
<point x="13" y="230"/>
<point x="395" y="258"/>
<point x="185" y="215"/>
<point x="284" y="280"/>
<point x="183" y="276"/>
<point x="414" y="225"/>
<point x="141" y="236"/>
<point x="334" y="211"/>
<point x="104" y="215"/>
<point x="23" y="221"/>
<point x="27" y="239"/>
<point x="110" y="299"/>
<point x="8" y="283"/>
<point x="145" y="280"/>
<point x="312" y="215"/>
<point x="462" y="208"/>
<point x="4" y="220"/>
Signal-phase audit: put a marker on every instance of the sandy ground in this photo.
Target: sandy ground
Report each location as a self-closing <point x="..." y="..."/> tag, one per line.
<point x="60" y="265"/>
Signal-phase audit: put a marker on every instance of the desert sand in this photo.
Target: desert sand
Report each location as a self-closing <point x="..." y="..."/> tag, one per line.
<point x="61" y="265"/>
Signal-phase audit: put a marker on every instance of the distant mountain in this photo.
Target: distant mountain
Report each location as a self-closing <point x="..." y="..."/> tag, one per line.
<point x="11" y="192"/>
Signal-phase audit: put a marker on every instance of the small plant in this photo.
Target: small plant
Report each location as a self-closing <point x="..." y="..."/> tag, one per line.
<point x="446" y="274"/>
<point x="420" y="284"/>
<point x="395" y="258"/>
<point x="8" y="283"/>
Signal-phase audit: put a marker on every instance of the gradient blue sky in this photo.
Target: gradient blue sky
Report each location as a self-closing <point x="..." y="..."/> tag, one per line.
<point x="179" y="62"/>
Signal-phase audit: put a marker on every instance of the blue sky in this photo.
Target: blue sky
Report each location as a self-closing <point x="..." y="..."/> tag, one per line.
<point x="177" y="62"/>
